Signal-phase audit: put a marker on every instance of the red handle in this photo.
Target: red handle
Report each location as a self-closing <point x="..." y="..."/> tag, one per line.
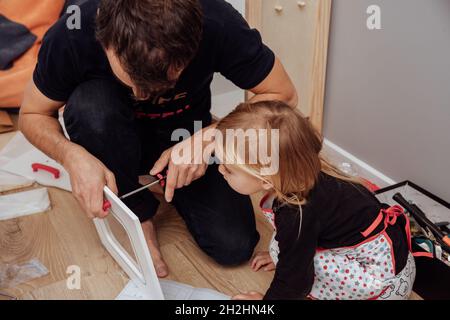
<point x="106" y="205"/>
<point x="39" y="166"/>
<point x="162" y="182"/>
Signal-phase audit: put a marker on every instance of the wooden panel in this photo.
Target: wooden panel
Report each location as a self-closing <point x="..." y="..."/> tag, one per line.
<point x="316" y="92"/>
<point x="299" y="37"/>
<point x="253" y="13"/>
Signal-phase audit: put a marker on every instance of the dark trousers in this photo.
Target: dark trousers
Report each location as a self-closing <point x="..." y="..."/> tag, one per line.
<point x="100" y="117"/>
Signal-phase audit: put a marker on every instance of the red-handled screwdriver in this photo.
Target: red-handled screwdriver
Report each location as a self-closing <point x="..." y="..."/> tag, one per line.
<point x="107" y="204"/>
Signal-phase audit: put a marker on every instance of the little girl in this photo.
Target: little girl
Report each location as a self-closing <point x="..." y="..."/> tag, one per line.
<point x="333" y="239"/>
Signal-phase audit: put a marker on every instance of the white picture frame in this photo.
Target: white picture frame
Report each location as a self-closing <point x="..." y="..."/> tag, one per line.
<point x="142" y="271"/>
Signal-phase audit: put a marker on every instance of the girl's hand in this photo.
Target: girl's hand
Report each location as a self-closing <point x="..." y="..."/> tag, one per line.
<point x="262" y="259"/>
<point x="252" y="295"/>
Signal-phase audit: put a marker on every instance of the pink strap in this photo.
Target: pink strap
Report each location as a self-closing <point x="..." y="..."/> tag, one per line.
<point x="374" y="225"/>
<point x="390" y="218"/>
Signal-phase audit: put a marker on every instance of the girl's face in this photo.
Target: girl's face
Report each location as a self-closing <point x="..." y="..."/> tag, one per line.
<point x="241" y="181"/>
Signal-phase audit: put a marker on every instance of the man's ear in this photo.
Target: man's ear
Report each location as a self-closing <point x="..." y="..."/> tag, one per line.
<point x="267" y="185"/>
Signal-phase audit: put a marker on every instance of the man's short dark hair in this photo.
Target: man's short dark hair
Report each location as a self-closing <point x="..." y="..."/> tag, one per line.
<point x="151" y="38"/>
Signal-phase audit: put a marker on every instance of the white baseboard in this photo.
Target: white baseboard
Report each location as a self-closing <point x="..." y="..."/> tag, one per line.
<point x="337" y="155"/>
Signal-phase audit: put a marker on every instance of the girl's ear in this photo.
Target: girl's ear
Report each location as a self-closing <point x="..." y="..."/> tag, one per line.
<point x="267" y="185"/>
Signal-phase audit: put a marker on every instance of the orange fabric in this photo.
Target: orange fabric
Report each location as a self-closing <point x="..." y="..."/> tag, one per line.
<point x="37" y="16"/>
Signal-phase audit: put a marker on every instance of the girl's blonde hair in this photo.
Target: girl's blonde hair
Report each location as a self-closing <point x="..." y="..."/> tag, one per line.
<point x="300" y="146"/>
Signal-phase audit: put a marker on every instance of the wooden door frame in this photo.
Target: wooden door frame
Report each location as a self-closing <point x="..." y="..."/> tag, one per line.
<point x="253" y="12"/>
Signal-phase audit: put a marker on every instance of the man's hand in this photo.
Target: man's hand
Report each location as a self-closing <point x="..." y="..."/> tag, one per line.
<point x="252" y="295"/>
<point x="88" y="176"/>
<point x="39" y="123"/>
<point x="190" y="168"/>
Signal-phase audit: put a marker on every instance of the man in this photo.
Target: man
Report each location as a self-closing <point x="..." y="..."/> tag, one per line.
<point x="134" y="72"/>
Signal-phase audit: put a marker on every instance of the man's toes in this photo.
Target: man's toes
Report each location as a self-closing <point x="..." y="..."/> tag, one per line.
<point x="162" y="270"/>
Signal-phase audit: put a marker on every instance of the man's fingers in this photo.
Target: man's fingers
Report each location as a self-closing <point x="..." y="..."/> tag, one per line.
<point x="190" y="176"/>
<point x="111" y="182"/>
<point x="161" y="163"/>
<point x="182" y="175"/>
<point x="194" y="173"/>
<point x="171" y="182"/>
<point x="86" y="208"/>
<point x="83" y="204"/>
<point x="200" y="172"/>
<point x="79" y="197"/>
<point x="88" y="212"/>
<point x="96" y="202"/>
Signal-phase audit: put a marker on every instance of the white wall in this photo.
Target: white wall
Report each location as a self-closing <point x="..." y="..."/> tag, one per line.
<point x="225" y="95"/>
<point x="388" y="91"/>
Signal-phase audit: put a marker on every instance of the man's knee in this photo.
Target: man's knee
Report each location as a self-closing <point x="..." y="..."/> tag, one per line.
<point x="234" y="248"/>
<point x="93" y="107"/>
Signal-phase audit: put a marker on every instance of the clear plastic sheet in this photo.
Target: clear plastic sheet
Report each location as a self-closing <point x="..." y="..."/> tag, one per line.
<point x="12" y="275"/>
<point x="348" y="168"/>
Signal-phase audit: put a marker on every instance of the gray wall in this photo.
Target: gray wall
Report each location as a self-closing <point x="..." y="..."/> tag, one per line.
<point x="388" y="91"/>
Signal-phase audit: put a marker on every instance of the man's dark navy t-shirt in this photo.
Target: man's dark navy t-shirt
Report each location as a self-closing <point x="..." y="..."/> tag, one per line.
<point x="70" y="57"/>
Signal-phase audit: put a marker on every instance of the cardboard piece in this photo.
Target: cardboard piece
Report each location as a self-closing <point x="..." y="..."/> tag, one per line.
<point x="172" y="291"/>
<point x="18" y="156"/>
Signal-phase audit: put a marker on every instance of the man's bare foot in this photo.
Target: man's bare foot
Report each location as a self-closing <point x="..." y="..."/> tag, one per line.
<point x="150" y="236"/>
